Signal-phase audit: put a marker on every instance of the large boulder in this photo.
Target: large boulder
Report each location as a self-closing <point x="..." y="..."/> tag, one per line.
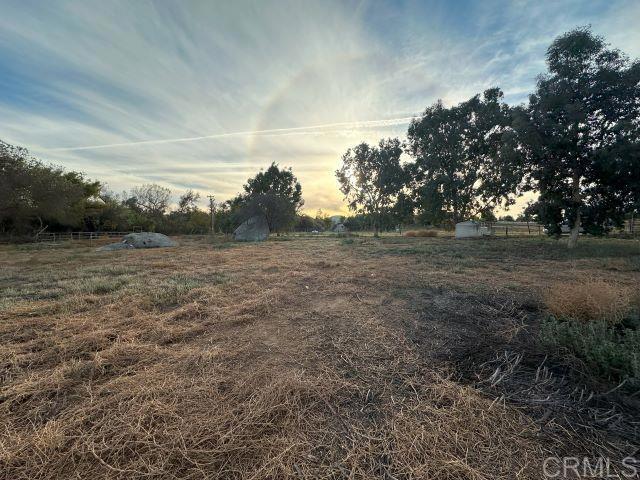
<point x="141" y="240"/>
<point x="148" y="240"/>
<point x="255" y="229"/>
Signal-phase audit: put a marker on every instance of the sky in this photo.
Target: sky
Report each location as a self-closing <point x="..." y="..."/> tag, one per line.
<point x="203" y="94"/>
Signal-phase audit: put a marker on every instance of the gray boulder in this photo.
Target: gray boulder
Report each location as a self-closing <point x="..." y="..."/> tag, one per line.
<point x="140" y="240"/>
<point x="148" y="240"/>
<point x="255" y="229"/>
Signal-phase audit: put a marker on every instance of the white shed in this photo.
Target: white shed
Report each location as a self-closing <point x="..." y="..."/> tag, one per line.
<point x="468" y="229"/>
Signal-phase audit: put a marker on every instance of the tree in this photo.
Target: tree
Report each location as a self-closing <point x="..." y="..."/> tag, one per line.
<point x="279" y="211"/>
<point x="110" y="214"/>
<point x="371" y="178"/>
<point x="580" y="136"/>
<point x="323" y="220"/>
<point x="403" y="210"/>
<point x="306" y="223"/>
<point x="459" y="170"/>
<point x="275" y="193"/>
<point x="188" y="218"/>
<point x="188" y="202"/>
<point x="151" y="199"/>
<point x="35" y="195"/>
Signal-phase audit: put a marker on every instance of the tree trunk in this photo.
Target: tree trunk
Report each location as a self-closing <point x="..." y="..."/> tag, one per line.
<point x="575" y="229"/>
<point x="376" y="224"/>
<point x="575" y="232"/>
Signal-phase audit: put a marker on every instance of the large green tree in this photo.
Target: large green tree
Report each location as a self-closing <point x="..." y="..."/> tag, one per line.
<point x="372" y="177"/>
<point x="275" y="193"/>
<point x="34" y="195"/>
<point x="580" y="135"/>
<point x="151" y="199"/>
<point x="459" y="171"/>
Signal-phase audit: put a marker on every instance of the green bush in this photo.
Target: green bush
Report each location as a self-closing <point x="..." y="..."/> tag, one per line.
<point x="612" y="351"/>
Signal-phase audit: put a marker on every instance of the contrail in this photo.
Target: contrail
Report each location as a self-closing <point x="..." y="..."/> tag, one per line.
<point x="353" y="125"/>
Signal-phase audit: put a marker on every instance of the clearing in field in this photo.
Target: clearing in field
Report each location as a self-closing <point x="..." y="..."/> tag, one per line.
<point x="317" y="357"/>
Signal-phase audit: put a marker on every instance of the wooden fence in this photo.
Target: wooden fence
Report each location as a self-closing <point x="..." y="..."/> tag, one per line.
<point x="58" y="237"/>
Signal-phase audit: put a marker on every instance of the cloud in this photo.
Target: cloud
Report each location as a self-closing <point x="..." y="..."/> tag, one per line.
<point x="308" y="130"/>
<point x="203" y="94"/>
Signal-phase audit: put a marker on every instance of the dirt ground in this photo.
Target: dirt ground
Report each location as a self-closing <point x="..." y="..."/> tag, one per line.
<point x="312" y="357"/>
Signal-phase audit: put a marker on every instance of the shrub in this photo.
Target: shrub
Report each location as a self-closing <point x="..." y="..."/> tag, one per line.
<point x="612" y="351"/>
<point x="421" y="233"/>
<point x="590" y="300"/>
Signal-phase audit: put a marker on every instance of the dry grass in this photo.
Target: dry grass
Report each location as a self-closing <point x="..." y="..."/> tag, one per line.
<point x="279" y="360"/>
<point x="421" y="233"/>
<point x="590" y="300"/>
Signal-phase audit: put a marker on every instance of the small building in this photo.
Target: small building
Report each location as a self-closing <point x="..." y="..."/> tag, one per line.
<point x="340" y="228"/>
<point x="473" y="229"/>
<point x="487" y="230"/>
<point x="468" y="229"/>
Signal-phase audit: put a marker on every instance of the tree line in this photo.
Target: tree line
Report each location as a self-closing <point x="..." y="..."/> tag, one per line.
<point x="35" y="197"/>
<point x="576" y="143"/>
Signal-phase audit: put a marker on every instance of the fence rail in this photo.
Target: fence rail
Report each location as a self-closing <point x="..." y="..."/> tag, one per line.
<point x="56" y="237"/>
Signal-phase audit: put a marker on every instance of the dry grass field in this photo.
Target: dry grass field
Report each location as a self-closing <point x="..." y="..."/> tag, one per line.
<point x="392" y="358"/>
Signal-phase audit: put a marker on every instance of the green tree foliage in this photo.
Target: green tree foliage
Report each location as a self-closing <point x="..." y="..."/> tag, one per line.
<point x="188" y="202"/>
<point x="459" y="170"/>
<point x="151" y="199"/>
<point x="306" y="223"/>
<point x="323" y="220"/>
<point x="580" y="135"/>
<point x="188" y="218"/>
<point x="371" y="178"/>
<point x="403" y="210"/>
<point x="34" y="195"/>
<point x="225" y="217"/>
<point x="275" y="193"/>
<point x="109" y="214"/>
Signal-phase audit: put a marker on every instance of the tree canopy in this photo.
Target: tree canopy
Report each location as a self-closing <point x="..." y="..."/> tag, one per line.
<point x="371" y="178"/>
<point x="274" y="193"/>
<point x="151" y="199"/>
<point x="580" y="135"/>
<point x="456" y="173"/>
<point x="34" y="195"/>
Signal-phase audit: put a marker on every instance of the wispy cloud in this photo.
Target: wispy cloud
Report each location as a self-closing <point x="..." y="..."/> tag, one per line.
<point x="308" y="130"/>
<point x="202" y="94"/>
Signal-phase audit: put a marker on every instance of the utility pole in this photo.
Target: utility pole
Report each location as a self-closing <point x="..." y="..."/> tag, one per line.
<point x="212" y="211"/>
